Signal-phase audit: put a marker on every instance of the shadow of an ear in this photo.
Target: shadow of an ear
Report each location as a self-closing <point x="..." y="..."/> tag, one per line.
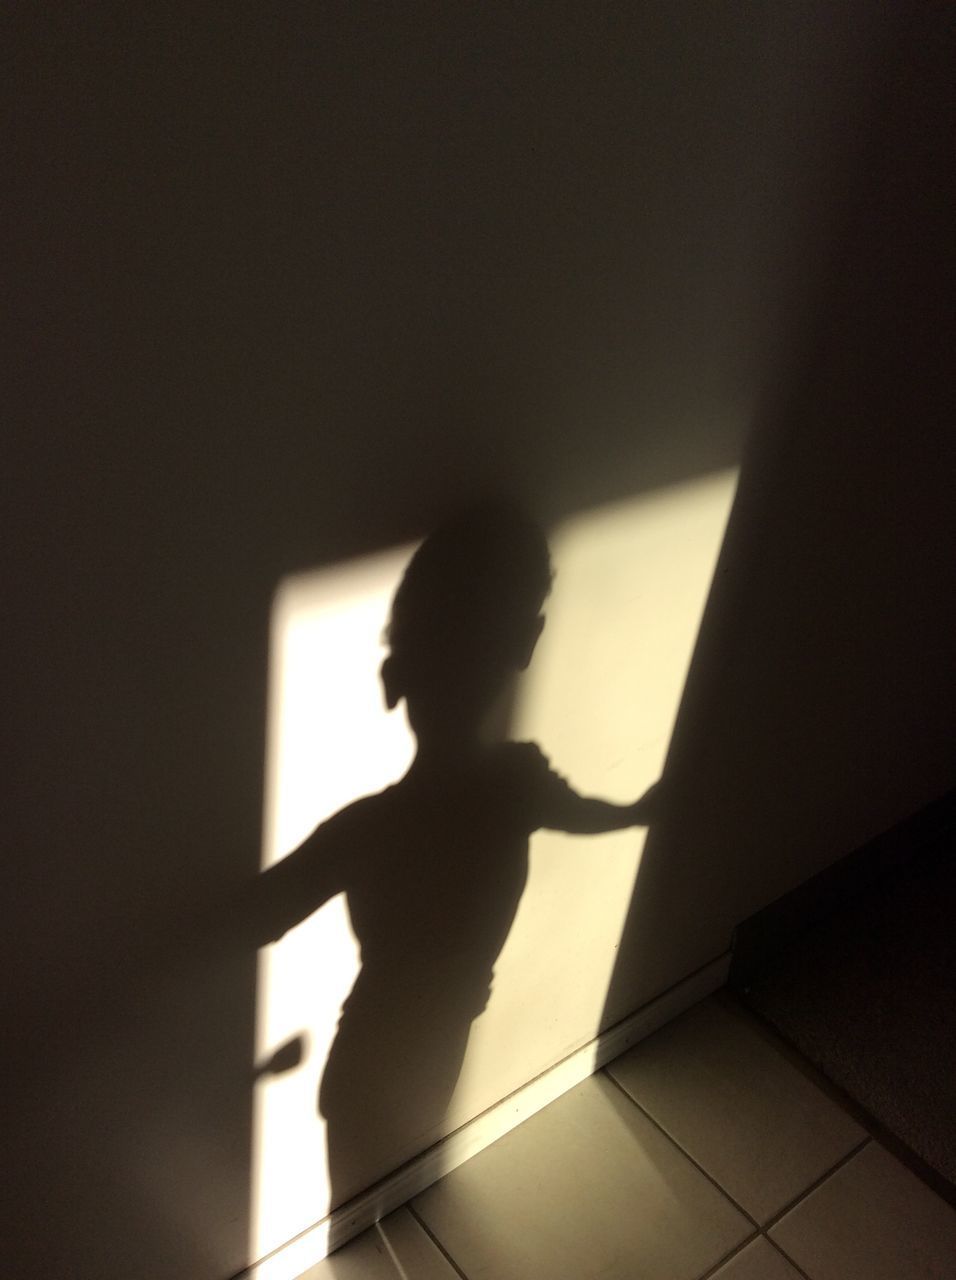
<point x="286" y="1058"/>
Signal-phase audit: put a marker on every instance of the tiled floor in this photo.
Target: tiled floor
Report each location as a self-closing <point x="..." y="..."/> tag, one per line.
<point x="704" y="1153"/>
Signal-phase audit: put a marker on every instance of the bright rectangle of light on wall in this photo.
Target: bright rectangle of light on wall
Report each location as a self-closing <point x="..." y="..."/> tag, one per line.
<point x="600" y="698"/>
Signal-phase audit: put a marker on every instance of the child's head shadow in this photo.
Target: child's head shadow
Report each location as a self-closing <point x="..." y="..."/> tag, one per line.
<point x="465" y="618"/>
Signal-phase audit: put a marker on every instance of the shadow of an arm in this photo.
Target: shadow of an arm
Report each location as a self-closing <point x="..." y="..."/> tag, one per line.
<point x="290" y="891"/>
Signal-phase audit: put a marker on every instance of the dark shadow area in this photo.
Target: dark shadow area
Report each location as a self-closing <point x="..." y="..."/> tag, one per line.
<point x="434" y="866"/>
<point x="285" y="290"/>
<point x="857" y="970"/>
<point x="819" y="707"/>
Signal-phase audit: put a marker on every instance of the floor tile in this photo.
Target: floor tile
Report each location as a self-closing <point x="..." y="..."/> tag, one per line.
<point x="758" y="1260"/>
<point x="394" y="1249"/>
<point x="734" y="1102"/>
<point x="871" y="1220"/>
<point x="587" y="1187"/>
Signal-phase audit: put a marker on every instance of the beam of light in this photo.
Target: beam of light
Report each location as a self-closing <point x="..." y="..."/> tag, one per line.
<point x="600" y="698"/>
<point x="604" y="688"/>
<point x="329" y="741"/>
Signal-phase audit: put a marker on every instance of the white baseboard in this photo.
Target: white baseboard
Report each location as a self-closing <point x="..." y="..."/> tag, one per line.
<point x="292" y="1259"/>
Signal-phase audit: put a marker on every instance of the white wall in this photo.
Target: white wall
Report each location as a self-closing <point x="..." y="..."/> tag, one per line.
<point x="600" y="698"/>
<point x="820" y="706"/>
<point x="289" y="287"/>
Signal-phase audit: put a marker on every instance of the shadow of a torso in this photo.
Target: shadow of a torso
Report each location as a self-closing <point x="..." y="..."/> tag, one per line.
<point x="433" y="870"/>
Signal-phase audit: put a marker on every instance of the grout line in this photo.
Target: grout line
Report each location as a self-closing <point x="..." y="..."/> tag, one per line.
<point x="393" y="1256"/>
<point x="434" y="1239"/>
<point x="729" y="1257"/>
<point x="758" y="1232"/>
<point x="477" y="1134"/>
<point x="786" y="1257"/>
<point x="770" y="1033"/>
<point x="699" y="1167"/>
<point x="745" y="1244"/>
<point x="818" y="1182"/>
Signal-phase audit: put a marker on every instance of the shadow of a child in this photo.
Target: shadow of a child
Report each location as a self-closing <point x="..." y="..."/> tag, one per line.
<point x="433" y="867"/>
